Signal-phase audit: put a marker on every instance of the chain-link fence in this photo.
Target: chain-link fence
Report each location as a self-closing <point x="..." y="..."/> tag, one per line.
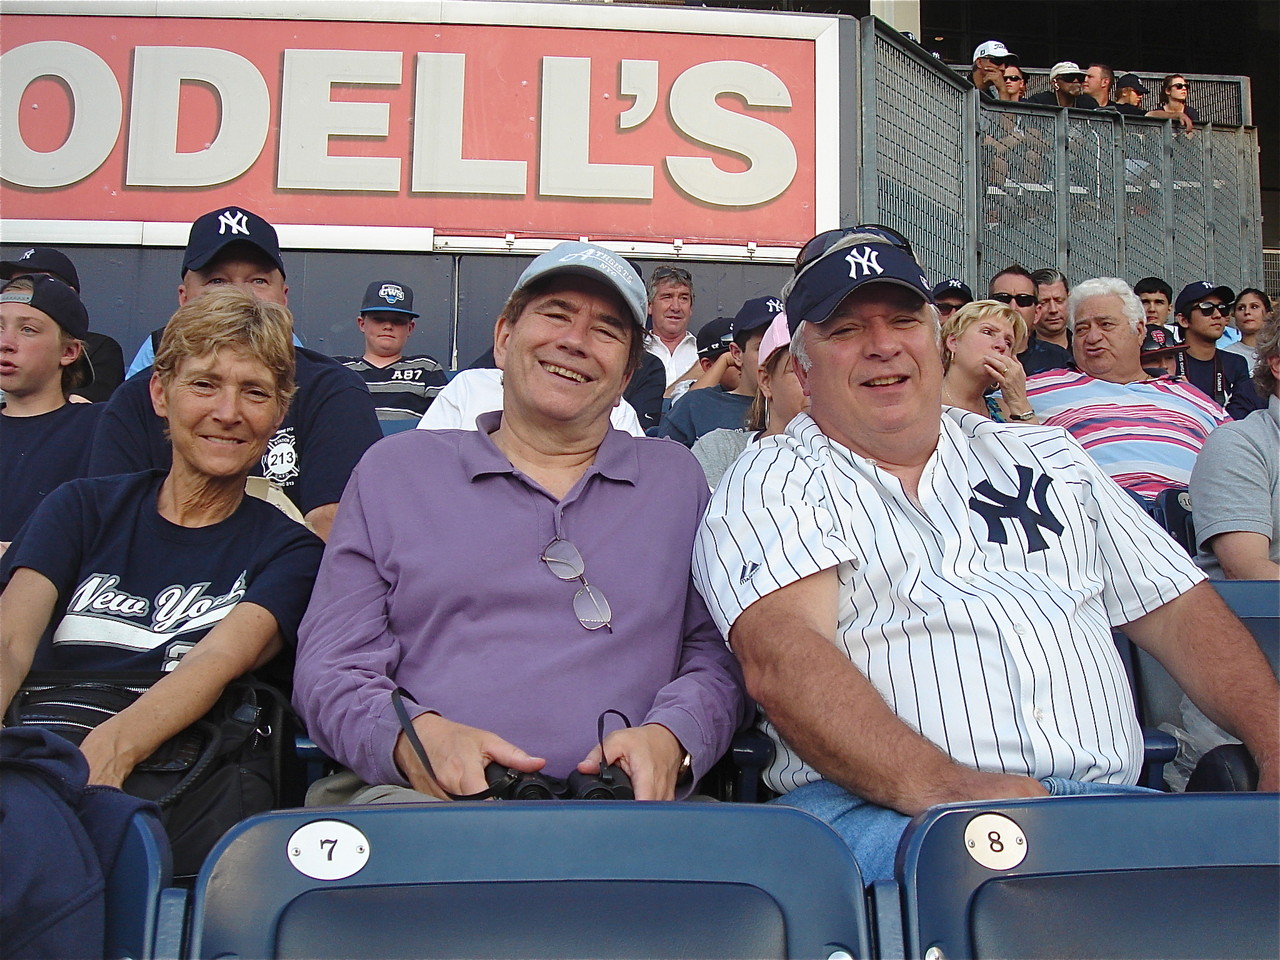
<point x="979" y="185"/>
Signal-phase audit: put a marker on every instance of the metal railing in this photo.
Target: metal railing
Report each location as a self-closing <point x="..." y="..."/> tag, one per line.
<point x="977" y="185"/>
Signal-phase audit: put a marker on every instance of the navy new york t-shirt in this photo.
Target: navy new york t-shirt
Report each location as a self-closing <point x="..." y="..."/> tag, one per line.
<point x="330" y="424"/>
<point x="136" y="592"/>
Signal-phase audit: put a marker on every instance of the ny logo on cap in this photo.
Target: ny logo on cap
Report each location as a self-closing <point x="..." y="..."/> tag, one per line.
<point x="391" y="292"/>
<point x="237" y="221"/>
<point x="29" y="253"/>
<point x="862" y="261"/>
<point x="774" y="305"/>
<point x="955" y="283"/>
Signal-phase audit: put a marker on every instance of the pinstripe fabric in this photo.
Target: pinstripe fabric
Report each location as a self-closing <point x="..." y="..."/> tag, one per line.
<point x="999" y="653"/>
<point x="1145" y="435"/>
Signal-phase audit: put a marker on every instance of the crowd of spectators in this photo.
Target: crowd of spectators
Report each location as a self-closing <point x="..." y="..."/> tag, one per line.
<point x="862" y="436"/>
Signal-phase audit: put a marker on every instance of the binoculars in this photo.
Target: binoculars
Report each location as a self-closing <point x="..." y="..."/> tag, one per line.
<point x="611" y="783"/>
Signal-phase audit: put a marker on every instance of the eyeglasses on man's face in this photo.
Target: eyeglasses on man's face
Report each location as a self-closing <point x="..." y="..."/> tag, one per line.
<point x="1021" y="299"/>
<point x="1208" y="307"/>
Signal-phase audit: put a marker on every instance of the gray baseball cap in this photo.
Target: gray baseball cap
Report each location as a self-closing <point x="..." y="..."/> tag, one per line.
<point x="591" y="260"/>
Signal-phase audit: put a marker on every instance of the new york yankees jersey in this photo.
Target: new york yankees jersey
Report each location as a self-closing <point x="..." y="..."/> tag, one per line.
<point x="983" y="613"/>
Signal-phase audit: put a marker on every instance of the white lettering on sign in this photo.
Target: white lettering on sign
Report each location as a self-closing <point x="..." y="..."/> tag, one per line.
<point x="244" y="105"/>
<point x="309" y="117"/>
<point x="95" y="109"/>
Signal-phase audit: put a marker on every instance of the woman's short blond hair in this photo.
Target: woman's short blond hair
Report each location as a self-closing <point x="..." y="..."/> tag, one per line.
<point x="231" y="318"/>
<point x="962" y="319"/>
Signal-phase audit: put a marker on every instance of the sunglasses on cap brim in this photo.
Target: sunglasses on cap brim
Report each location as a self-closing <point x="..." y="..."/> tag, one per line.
<point x="824" y="241"/>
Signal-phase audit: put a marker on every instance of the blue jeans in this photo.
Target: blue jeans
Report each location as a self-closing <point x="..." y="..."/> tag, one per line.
<point x="873" y="832"/>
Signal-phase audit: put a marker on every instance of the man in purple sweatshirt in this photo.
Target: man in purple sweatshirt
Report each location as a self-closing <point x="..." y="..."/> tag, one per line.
<point x="520" y="580"/>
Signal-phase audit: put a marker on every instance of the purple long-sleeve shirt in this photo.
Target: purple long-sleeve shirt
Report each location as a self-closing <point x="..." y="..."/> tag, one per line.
<point x="432" y="581"/>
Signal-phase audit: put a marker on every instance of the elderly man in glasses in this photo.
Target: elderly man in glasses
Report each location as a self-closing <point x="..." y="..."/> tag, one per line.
<point x="922" y="599"/>
<point x="1202" y="311"/>
<point x="519" y="581"/>
<point x="1144" y="432"/>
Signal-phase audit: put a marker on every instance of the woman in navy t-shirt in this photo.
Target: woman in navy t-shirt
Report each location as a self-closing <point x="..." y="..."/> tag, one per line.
<point x="176" y="572"/>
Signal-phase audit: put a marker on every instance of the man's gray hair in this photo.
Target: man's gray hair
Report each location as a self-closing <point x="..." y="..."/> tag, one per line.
<point x="1048" y="276"/>
<point x="1107" y="287"/>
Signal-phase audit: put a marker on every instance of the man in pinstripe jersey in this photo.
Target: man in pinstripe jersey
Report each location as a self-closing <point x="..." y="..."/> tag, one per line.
<point x="922" y="599"/>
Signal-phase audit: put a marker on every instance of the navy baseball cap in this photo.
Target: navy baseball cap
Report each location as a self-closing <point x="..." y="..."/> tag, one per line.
<point x="951" y="288"/>
<point x="820" y="287"/>
<point x="218" y="228"/>
<point x="755" y="314"/>
<point x="42" y="260"/>
<point x="387" y="296"/>
<point x="1131" y="80"/>
<point x="50" y="295"/>
<point x="1193" y="293"/>
<point x="598" y="263"/>
<point x="714" y="337"/>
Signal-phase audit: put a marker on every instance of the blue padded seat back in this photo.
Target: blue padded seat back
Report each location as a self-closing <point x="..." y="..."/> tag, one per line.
<point x="509" y="920"/>
<point x="1190" y="912"/>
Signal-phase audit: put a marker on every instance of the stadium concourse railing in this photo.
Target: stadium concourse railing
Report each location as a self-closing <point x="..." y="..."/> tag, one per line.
<point x="977" y="185"/>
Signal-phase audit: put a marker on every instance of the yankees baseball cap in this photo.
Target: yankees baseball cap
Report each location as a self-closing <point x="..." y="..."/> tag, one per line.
<point x="756" y="313"/>
<point x="1131" y="80"/>
<point x="385" y="296"/>
<point x="993" y="50"/>
<point x="953" y="288"/>
<point x="1193" y="293"/>
<point x="714" y="337"/>
<point x="226" y="225"/>
<point x="50" y="295"/>
<point x="42" y="260"/>
<point x="818" y="290"/>
<point x="596" y="262"/>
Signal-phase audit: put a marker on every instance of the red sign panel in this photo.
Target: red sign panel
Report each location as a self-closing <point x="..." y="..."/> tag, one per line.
<point x="473" y="130"/>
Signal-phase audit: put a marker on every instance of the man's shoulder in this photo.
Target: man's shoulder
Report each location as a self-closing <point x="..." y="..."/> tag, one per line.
<point x="1057" y="379"/>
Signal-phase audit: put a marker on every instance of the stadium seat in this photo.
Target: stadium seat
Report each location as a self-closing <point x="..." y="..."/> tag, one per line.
<point x="531" y="879"/>
<point x="141" y="871"/>
<point x="1094" y="876"/>
<point x="1173" y="512"/>
<point x="396" y="426"/>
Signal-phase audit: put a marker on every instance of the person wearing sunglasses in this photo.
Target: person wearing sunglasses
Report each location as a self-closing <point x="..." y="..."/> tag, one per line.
<point x="1014" y="287"/>
<point x="987" y="75"/>
<point x="906" y="582"/>
<point x="949" y="296"/>
<point x="1129" y="91"/>
<point x="519" y="580"/>
<point x="1202" y="310"/>
<point x="1013" y="86"/>
<point x="1066" y="82"/>
<point x="1173" y="100"/>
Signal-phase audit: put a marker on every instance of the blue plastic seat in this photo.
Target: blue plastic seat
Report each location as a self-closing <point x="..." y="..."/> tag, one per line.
<point x="143" y="868"/>
<point x="533" y="879"/>
<point x="1094" y="876"/>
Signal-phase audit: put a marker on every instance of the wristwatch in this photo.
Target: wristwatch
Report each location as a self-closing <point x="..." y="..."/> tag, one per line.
<point x="1023" y="417"/>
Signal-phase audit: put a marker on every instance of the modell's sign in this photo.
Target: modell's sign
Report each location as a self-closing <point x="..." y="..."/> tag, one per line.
<point x="470" y="129"/>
